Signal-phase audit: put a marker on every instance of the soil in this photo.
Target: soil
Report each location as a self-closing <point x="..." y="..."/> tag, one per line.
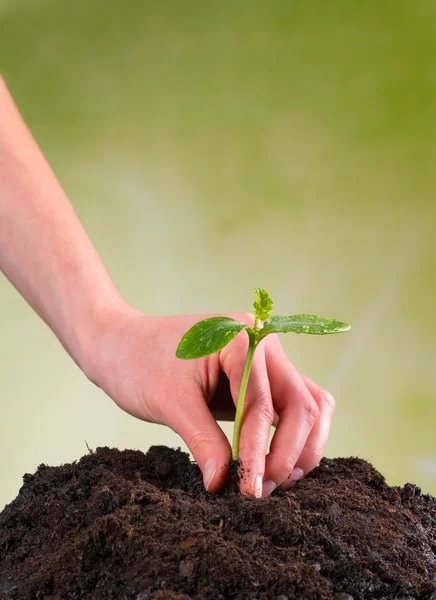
<point x="133" y="526"/>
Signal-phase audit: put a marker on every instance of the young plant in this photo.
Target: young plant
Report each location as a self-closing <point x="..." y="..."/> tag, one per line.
<point x="211" y="335"/>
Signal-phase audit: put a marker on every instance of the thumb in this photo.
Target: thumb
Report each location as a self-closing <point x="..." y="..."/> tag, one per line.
<point x="205" y="439"/>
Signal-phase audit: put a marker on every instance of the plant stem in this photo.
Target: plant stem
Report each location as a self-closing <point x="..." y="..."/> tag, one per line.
<point x="241" y="397"/>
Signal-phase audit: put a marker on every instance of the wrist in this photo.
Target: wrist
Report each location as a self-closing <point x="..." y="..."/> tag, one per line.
<point x="99" y="350"/>
<point x="88" y="327"/>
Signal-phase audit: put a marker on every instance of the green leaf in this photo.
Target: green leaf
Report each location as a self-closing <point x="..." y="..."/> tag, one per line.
<point x="264" y="304"/>
<point x="302" y="324"/>
<point x="209" y="336"/>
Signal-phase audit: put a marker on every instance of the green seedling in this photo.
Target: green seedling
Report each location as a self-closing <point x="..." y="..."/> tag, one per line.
<point x="211" y="335"/>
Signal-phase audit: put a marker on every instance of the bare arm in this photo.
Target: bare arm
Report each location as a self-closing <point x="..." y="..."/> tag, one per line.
<point x="44" y="250"/>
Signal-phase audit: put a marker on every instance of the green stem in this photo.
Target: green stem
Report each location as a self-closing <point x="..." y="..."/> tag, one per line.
<point x="241" y="397"/>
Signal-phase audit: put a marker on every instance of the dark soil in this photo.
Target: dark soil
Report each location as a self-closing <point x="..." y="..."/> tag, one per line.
<point x="128" y="526"/>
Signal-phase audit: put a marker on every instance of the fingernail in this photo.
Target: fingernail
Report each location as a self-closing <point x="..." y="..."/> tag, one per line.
<point x="296" y="474"/>
<point x="258" y="487"/>
<point x="209" y="471"/>
<point x="268" y="488"/>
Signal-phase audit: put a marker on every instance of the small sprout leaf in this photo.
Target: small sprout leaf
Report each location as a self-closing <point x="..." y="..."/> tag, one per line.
<point x="264" y="304"/>
<point x="209" y="336"/>
<point x="302" y="324"/>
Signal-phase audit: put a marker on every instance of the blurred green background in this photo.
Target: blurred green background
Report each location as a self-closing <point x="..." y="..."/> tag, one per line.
<point x="211" y="147"/>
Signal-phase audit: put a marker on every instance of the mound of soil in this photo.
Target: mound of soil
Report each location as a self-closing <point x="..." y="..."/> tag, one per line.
<point x="128" y="526"/>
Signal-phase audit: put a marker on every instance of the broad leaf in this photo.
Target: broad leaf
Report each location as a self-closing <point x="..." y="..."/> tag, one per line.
<point x="264" y="304"/>
<point x="302" y="324"/>
<point x="208" y="336"/>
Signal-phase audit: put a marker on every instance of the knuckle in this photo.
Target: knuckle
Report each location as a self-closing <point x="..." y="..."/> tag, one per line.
<point x="328" y="401"/>
<point x="266" y="409"/>
<point x="197" y="440"/>
<point x="268" y="413"/>
<point x="252" y="448"/>
<point x="288" y="465"/>
<point x="309" y="407"/>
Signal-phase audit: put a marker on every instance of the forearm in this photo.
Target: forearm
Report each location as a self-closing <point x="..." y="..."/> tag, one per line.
<point x="44" y="250"/>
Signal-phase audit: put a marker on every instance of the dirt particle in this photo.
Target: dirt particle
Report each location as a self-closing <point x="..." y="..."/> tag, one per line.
<point x="186" y="568"/>
<point x="189" y="542"/>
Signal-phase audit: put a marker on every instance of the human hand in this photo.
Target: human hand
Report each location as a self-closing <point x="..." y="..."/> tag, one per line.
<point x="132" y="358"/>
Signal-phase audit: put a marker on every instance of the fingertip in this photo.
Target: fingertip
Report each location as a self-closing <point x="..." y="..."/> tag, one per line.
<point x="250" y="484"/>
<point x="258" y="486"/>
<point x="268" y="488"/>
<point x="209" y="471"/>
<point x="215" y="474"/>
<point x="207" y="443"/>
<point x="296" y="475"/>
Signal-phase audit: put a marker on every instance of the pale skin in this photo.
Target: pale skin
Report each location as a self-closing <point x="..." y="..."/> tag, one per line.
<point x="47" y="255"/>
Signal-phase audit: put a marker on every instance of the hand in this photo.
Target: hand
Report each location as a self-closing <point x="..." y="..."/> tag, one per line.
<point x="132" y="358"/>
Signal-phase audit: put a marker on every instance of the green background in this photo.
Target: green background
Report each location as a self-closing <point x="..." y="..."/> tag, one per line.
<point x="213" y="147"/>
